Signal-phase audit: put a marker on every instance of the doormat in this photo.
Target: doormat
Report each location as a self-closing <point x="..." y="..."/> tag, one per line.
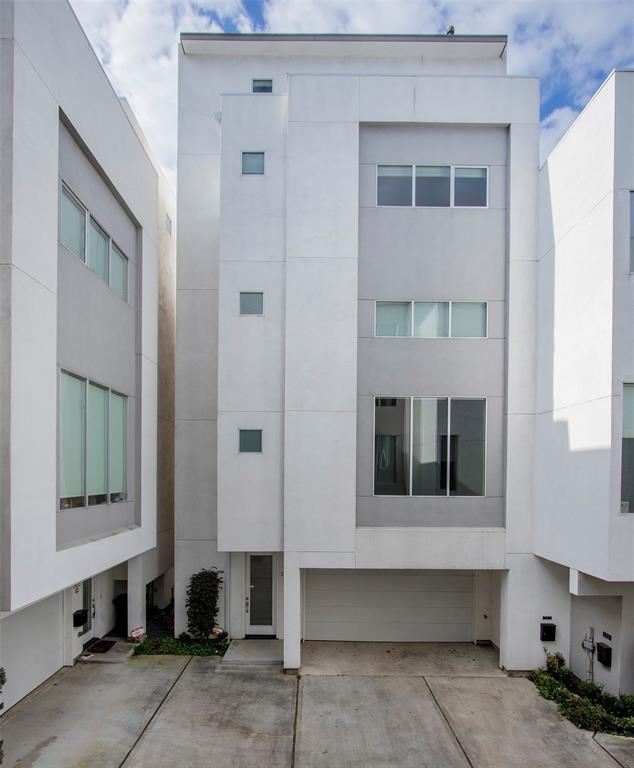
<point x="100" y="646"/>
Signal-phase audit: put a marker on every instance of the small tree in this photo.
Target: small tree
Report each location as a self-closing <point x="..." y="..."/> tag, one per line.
<point x="202" y="601"/>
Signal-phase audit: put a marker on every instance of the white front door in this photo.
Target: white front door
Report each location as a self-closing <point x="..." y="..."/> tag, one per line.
<point x="260" y="594"/>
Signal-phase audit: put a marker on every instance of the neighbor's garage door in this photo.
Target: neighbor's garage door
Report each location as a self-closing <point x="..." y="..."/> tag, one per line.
<point x="31" y="647"/>
<point x="394" y="606"/>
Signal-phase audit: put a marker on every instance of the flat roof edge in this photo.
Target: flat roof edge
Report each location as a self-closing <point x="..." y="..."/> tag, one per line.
<point x="369" y="38"/>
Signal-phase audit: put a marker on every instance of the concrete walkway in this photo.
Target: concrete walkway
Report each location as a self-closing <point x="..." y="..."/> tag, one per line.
<point x="374" y="706"/>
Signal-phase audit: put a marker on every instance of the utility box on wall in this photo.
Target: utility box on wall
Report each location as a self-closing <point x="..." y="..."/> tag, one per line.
<point x="604" y="654"/>
<point x="547" y="631"/>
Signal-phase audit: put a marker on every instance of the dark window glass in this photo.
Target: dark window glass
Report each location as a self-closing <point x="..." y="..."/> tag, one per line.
<point x="467" y="447"/>
<point x="433" y="186"/>
<point x="253" y="163"/>
<point x="262" y="86"/>
<point x="394" y="185"/>
<point x="627" y="450"/>
<point x="429" y="447"/>
<point x="250" y="441"/>
<point x="251" y="303"/>
<point x="391" y="446"/>
<point x="470" y="187"/>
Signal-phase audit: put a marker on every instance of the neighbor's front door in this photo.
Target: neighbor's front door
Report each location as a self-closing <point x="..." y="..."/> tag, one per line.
<point x="260" y="602"/>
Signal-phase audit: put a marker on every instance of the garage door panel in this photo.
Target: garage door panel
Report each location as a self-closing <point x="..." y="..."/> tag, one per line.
<point x="398" y="633"/>
<point x="416" y="600"/>
<point x="391" y="581"/>
<point x="389" y="606"/>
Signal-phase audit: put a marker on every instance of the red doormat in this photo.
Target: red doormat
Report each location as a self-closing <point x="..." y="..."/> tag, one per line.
<point x="100" y="646"/>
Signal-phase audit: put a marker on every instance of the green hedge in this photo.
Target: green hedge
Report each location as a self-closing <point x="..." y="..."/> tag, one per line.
<point x="173" y="646"/>
<point x="586" y="705"/>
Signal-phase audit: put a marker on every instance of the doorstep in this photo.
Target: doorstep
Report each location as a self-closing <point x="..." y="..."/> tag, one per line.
<point x="251" y="651"/>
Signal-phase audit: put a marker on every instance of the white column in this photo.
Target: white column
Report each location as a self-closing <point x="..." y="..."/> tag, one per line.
<point x="136" y="594"/>
<point x="292" y="612"/>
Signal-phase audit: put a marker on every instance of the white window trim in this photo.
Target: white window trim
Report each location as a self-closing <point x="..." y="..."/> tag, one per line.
<point x="412" y="302"/>
<point x="110" y="391"/>
<point x="452" y="170"/>
<point x="411" y="399"/>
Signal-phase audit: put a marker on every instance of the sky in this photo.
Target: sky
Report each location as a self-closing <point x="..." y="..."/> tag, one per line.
<point x="572" y="45"/>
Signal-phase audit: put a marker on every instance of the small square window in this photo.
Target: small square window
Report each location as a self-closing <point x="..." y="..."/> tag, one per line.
<point x="470" y="187"/>
<point x="250" y="441"/>
<point x="262" y="86"/>
<point x="433" y="186"/>
<point x="393" y="318"/>
<point x="469" y="319"/>
<point x="253" y="163"/>
<point x="251" y="303"/>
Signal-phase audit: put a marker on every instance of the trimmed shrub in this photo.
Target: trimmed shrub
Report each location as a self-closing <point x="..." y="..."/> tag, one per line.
<point x="172" y="646"/>
<point x="201" y="602"/>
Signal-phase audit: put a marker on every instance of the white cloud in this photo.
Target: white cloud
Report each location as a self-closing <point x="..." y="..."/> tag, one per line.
<point x="570" y="44"/>
<point x="553" y="128"/>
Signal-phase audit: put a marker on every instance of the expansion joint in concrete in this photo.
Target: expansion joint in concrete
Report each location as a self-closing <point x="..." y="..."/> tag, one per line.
<point x="446" y="719"/>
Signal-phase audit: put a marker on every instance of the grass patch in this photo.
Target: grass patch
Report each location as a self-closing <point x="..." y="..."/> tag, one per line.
<point x="180" y="646"/>
<point x="586" y="705"/>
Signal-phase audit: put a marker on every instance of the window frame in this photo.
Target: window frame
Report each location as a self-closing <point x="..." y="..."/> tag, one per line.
<point x="452" y="170"/>
<point x="88" y="217"/>
<point x="251" y="429"/>
<point x="413" y="303"/>
<point x="622" y="510"/>
<point x="250" y="314"/>
<point x="252" y="152"/>
<point x="255" y="80"/>
<point x="449" y="398"/>
<point x="110" y="391"/>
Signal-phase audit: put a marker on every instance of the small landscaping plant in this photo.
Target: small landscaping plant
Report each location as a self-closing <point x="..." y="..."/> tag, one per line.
<point x="586" y="705"/>
<point x="201" y="602"/>
<point x="181" y="646"/>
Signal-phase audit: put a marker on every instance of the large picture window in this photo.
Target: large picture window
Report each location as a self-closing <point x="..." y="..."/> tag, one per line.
<point x="92" y="443"/>
<point x="429" y="446"/>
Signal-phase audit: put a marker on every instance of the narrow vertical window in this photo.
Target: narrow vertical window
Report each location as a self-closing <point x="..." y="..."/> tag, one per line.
<point x="433" y="186"/>
<point x="96" y="448"/>
<point x="119" y="273"/>
<point x="627" y="450"/>
<point x="431" y="319"/>
<point x="98" y="247"/>
<point x="393" y="318"/>
<point x="252" y="163"/>
<point x="467" y="447"/>
<point x="73" y="225"/>
<point x="631" y="231"/>
<point x="469" y="319"/>
<point x="117" y="444"/>
<point x="470" y="187"/>
<point x="429" y="466"/>
<point x="72" y="447"/>
<point x="391" y="446"/>
<point x="394" y="185"/>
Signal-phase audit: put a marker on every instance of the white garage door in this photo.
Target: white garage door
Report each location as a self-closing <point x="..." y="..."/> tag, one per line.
<point x="393" y="606"/>
<point x="31" y="646"/>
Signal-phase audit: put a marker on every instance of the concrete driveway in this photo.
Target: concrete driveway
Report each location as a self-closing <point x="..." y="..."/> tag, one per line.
<point x="356" y="705"/>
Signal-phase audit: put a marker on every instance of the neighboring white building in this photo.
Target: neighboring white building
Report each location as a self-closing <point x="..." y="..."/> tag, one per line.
<point x="584" y="472"/>
<point x="86" y="351"/>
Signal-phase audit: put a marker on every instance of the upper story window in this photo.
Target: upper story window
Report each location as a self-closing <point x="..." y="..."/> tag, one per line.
<point x="431" y="319"/>
<point x="168" y="224"/>
<point x="432" y="186"/>
<point x="429" y="446"/>
<point x="252" y="163"/>
<point x="262" y="86"/>
<point x="251" y="303"/>
<point x="83" y="236"/>
<point x="250" y="441"/>
<point x="92" y="443"/>
<point x="627" y="450"/>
